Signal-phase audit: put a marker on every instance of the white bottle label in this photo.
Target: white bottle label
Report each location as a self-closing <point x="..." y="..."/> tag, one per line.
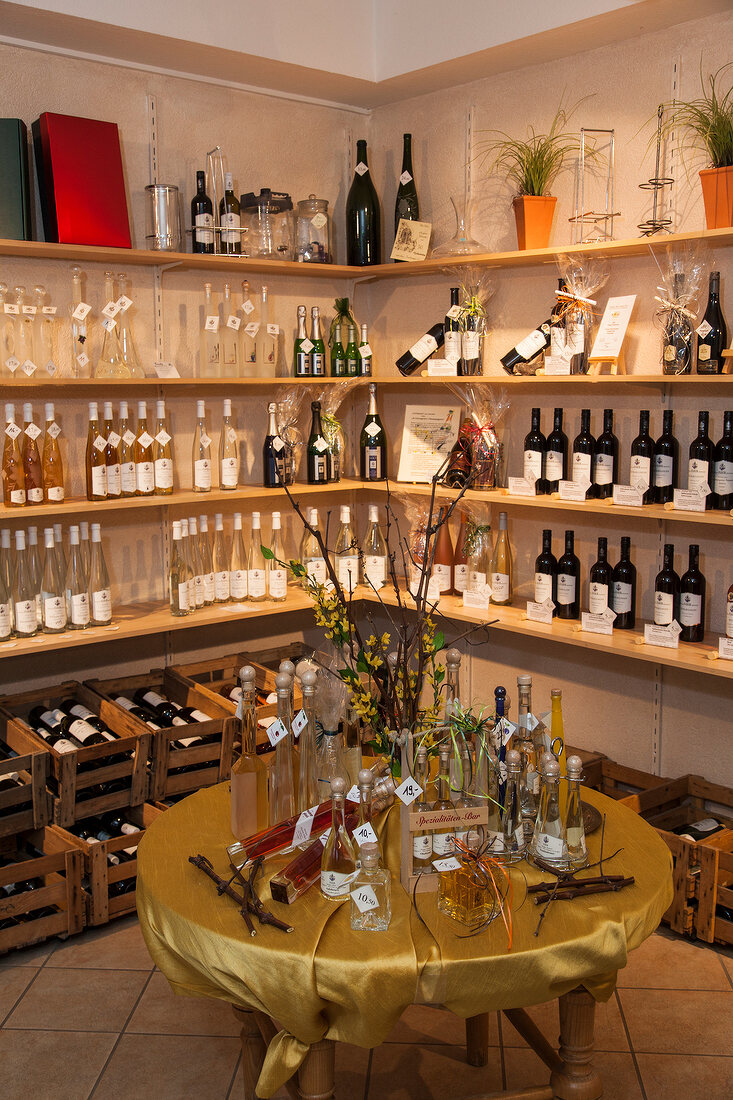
<point x="80" y="609"/>
<point x="470" y="344"/>
<point x="99" y="481"/>
<point x="690" y="609"/>
<point x="221" y="582"/>
<point x="317" y="570"/>
<point x="102" y="605"/>
<point x="422" y="846"/>
<point x="114" y="480"/>
<point x="697" y="473"/>
<point x="17" y="496"/>
<point x="348" y="571"/>
<point x="202" y="473"/>
<point x="277" y="581"/>
<point x="198" y="590"/>
<point x="183" y="596"/>
<point x="542" y="587"/>
<point x="550" y="846"/>
<point x="335" y="884"/>
<point x="375" y="569"/>
<point x="723" y="478"/>
<point x="603" y="469"/>
<point x="581" y="466"/>
<point x="443" y="844"/>
<point x="640" y="472"/>
<point x="128" y="481"/>
<point x="729" y="618"/>
<point x="209" y="587"/>
<point x="55" y="493"/>
<point x="531" y="345"/>
<point x="460" y="577"/>
<point x="54" y="613"/>
<point x="532" y="465"/>
<point x="230" y="228"/>
<point x="621" y="597"/>
<point x="256" y="582"/>
<point x="81" y="730"/>
<point x="145" y="477"/>
<point x="35" y="496"/>
<point x="4" y="620"/>
<point x="663" y="469"/>
<point x="663" y="608"/>
<point x="597" y="597"/>
<point x="476" y="580"/>
<point x="164" y="473"/>
<point x="205" y="228"/>
<point x="499" y="587"/>
<point x="229" y="473"/>
<point x="452" y="346"/>
<point x="424" y="347"/>
<point x="565" y="589"/>
<point x="553" y="466"/>
<point x="237" y="583"/>
<point x="443" y="574"/>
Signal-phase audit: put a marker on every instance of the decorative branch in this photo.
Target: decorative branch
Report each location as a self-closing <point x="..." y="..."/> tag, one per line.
<point x="251" y="902"/>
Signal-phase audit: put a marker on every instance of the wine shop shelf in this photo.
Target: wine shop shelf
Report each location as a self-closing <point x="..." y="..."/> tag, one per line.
<point x="109" y="386"/>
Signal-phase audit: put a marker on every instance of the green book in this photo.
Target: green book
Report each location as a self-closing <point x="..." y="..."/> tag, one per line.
<point x="15" y="191"/>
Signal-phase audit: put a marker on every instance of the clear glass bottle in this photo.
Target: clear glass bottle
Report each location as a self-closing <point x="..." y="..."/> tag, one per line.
<point x="36" y="570"/>
<point x="548" y="839"/>
<point x="574" y="827"/>
<point x="512" y="822"/>
<point x="110" y="363"/>
<point x="190" y="579"/>
<point x="220" y="557"/>
<point x="53" y="594"/>
<point x="84" y="547"/>
<point x="24" y="595"/>
<point x="228" y="453"/>
<point x="58" y="541"/>
<point x="256" y="564"/>
<point x="267" y="340"/>
<point x="210" y="356"/>
<point x="99" y="586"/>
<point x="124" y="325"/>
<point x="422" y="841"/>
<point x="311" y="555"/>
<point x="277" y="574"/>
<point x="229" y="341"/>
<point x="162" y="452"/>
<point x="79" y="327"/>
<point x="374" y="551"/>
<point x="111" y="453"/>
<point x="250" y="809"/>
<point x="248" y="333"/>
<point x="238" y="563"/>
<point x="178" y="576"/>
<point x="24" y="325"/>
<point x="194" y="553"/>
<point x="128" y="479"/>
<point x="96" y="464"/>
<point x="32" y="466"/>
<point x="330" y="762"/>
<point x="44" y="343"/>
<point x="201" y="452"/>
<point x="207" y="561"/>
<point x="282" y="788"/>
<point x="14" y="495"/>
<point x="501" y="566"/>
<point x="371" y="898"/>
<point x="338" y="862"/>
<point x="308" y="793"/>
<point x="143" y="452"/>
<point x="530" y="779"/>
<point x="77" y="585"/>
<point x="346" y="552"/>
<point x="6" y="602"/>
<point x="442" y="834"/>
<point x="479" y="557"/>
<point x="364" y="831"/>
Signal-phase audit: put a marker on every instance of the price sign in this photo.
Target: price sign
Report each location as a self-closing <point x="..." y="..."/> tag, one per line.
<point x="252" y="329"/>
<point x="629" y="495"/>
<point x="273" y="330"/>
<point x="666" y="636"/>
<point x="725" y="648"/>
<point x="408" y="791"/>
<point x="110" y="310"/>
<point x="212" y="323"/>
<point x="234" y="322"/>
<point x="365" y="898"/>
<point x="81" y="312"/>
<point x="522" y="487"/>
<point x="450" y="863"/>
<point x="540" y="612"/>
<point x="276" y="731"/>
<point x="365" y="835"/>
<point x="353" y="794"/>
<point x="303" y="826"/>
<point x="165" y="369"/>
<point x="123" y="303"/>
<point x="300" y="722"/>
<point x="108" y="324"/>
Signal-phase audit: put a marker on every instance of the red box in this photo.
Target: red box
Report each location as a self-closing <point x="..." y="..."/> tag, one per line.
<point x="81" y="182"/>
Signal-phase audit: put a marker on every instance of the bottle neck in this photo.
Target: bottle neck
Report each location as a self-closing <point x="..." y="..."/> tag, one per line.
<point x="301" y="327"/>
<point x="702" y="423"/>
<point x="407" y="153"/>
<point x="361" y="154"/>
<point x="602" y="550"/>
<point x="667" y="421"/>
<point x="644" y="423"/>
<point x="669" y="557"/>
<point x="272" y="429"/>
<point x="535" y="420"/>
<point x="372" y="410"/>
<point x="569" y="544"/>
<point x="547" y="542"/>
<point x="585" y="421"/>
<point x="557" y="425"/>
<point x="316" y="422"/>
<point x="249" y="722"/>
<point x="607" y="422"/>
<point x="694" y="557"/>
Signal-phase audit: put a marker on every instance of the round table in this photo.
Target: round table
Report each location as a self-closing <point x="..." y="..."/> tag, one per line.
<point x="325" y="983"/>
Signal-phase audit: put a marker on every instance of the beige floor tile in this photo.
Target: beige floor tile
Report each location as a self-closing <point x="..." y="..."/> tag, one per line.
<point x="14" y="980"/>
<point x="727" y="961"/>
<point x="673" y="1075"/>
<point x="673" y="963"/>
<point x="610" y="1033"/>
<point x="117" y="946"/>
<point x="79" y="1000"/>
<point x="423" y="1024"/>
<point x="169" y="1067"/>
<point x="620" y="1082"/>
<point x="161" y="1011"/>
<point x="29" y="956"/>
<point x="678" y="1021"/>
<point x="350" y="1076"/>
<point x="51" y="1065"/>
<point x="409" y="1072"/>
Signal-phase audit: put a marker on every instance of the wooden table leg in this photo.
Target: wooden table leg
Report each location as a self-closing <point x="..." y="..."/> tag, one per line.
<point x="477" y="1039"/>
<point x="576" y="1079"/>
<point x="253" y="1051"/>
<point x="316" y="1074"/>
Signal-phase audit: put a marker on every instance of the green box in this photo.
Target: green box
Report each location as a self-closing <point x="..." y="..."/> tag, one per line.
<point x="15" y="190"/>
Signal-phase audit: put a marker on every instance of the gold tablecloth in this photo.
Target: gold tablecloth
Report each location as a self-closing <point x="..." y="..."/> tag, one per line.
<point x="325" y="981"/>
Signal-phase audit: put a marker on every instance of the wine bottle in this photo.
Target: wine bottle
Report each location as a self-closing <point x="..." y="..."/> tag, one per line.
<point x="712" y="333"/>
<point x="77" y="585"/>
<point x="99" y="587"/>
<point x="318" y="351"/>
<point x="692" y="600"/>
<point x="6" y="602"/>
<point x="372" y="443"/>
<point x="301" y="357"/>
<point x="338" y="355"/>
<point x="229" y="341"/>
<point x="311" y="555"/>
<point x="723" y="459"/>
<point x="605" y="459"/>
<point x="535" y="447"/>
<point x="256" y="564"/>
<point x="164" y="708"/>
<point x="177" y="581"/>
<point x="667" y="590"/>
<point x="277" y="575"/>
<point x="197" y="566"/>
<point x="53" y="592"/>
<point x="58" y="543"/>
<point x="365" y="354"/>
<point x="363" y="219"/>
<point x="268" y="338"/>
<point x="96" y="466"/>
<point x="642" y="454"/>
<point x="545" y="573"/>
<point x="568" y="581"/>
<point x="346" y="552"/>
<point x="220" y="559"/>
<point x="202" y="218"/>
<point x="452" y="331"/>
<point x="600" y="581"/>
<point x="556" y="455"/>
<point x="201" y="452"/>
<point x="84" y="545"/>
<point x="428" y="343"/>
<point x="666" y="461"/>
<point x="13" y="477"/>
<point x="582" y="456"/>
<point x="228" y="455"/>
<point x="35" y="569"/>
<point x="111" y="453"/>
<point x="407" y="205"/>
<point x="25" y="610"/>
<point x="472" y="338"/>
<point x="528" y="348"/>
<point x="207" y="561"/>
<point x="231" y="237"/>
<point x="143" y="454"/>
<point x="317" y="458"/>
<point x="32" y="467"/>
<point x="558" y="334"/>
<point x="700" y="465"/>
<point x="352" y="353"/>
<point x="501" y="566"/>
<point x="162" y="453"/>
<point x="188" y="561"/>
<point x="210" y="365"/>
<point x="624" y="589"/>
<point x="460" y="559"/>
<point x="374" y="551"/>
<point x="729" y="614"/>
<point x="273" y="452"/>
<point x="677" y="335"/>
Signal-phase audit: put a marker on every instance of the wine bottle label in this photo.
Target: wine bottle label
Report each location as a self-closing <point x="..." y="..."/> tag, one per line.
<point x="318" y="470"/>
<point x="531" y="345"/>
<point x="202" y="473"/>
<point x="318" y="363"/>
<point x="256" y="582"/>
<point x="335" y="884"/>
<point x="663" y="608"/>
<point x="621" y="597"/>
<point x="603" y="469"/>
<point x="640" y="472"/>
<point x="231" y="224"/>
<point x="80" y="609"/>
<point x="35" y="496"/>
<point x="316" y="568"/>
<point x="221" y="582"/>
<point x="145" y="477"/>
<point x="443" y="574"/>
<point x="574" y="340"/>
<point x="703" y="352"/>
<point x="17" y="496"/>
<point x="532" y="465"/>
<point x="565" y="589"/>
<point x="204" y="229"/>
<point x="542" y="587"/>
<point x="229" y="473"/>
<point x="723" y="478"/>
<point x="373" y="463"/>
<point x="183" y="596"/>
<point x="663" y="469"/>
<point x="470" y="344"/>
<point x="597" y="597"/>
<point x="460" y="577"/>
<point x="81" y="730"/>
<point x="277" y="583"/>
<point x="26" y="619"/>
<point x="557" y="341"/>
<point x="499" y="587"/>
<point x="54" y="612"/>
<point x="452" y="346"/>
<point x="690" y="609"/>
<point x="102" y="605"/>
<point x="128" y="482"/>
<point x="581" y="466"/>
<point x="553" y="466"/>
<point x="99" y="481"/>
<point x="550" y="846"/>
<point x="698" y="473"/>
<point x="670" y="353"/>
<point x="476" y="580"/>
<point x="237" y="583"/>
<point x="198" y="590"/>
<point x="209" y="587"/>
<point x="443" y="844"/>
<point x="163" y="473"/>
<point x="729" y="618"/>
<point x="81" y="712"/>
<point x="54" y="492"/>
<point x="424" y="347"/>
<point x="422" y="846"/>
<point x="153" y="699"/>
<point x="114" y="482"/>
<point x="4" y="620"/>
<point x="375" y="569"/>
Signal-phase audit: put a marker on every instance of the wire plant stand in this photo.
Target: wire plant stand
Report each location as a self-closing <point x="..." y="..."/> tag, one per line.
<point x="657" y="223"/>
<point x="590" y="226"/>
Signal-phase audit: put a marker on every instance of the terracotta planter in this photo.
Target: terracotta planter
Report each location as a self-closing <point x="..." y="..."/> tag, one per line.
<point x="717" y="194"/>
<point x="534" y="214"/>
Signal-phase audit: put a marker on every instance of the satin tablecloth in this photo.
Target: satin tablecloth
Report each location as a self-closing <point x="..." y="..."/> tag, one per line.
<point x="325" y="981"/>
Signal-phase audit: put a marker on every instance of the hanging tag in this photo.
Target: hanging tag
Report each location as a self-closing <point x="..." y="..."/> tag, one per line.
<point x="365" y="834"/>
<point x="454" y="313"/>
<point x="364" y="898"/>
<point x="307" y="346"/>
<point x="300" y="722"/>
<point x="319" y="220"/>
<point x="53" y="430"/>
<point x="29" y="311"/>
<point x="33" y="431"/>
<point x="12" y="430"/>
<point x="273" y="330"/>
<point x="247" y="307"/>
<point x="234" y="322"/>
<point x="450" y="863"/>
<point x="81" y="312"/>
<point x="108" y="324"/>
<point x="12" y="308"/>
<point x="82" y="359"/>
<point x="508" y="729"/>
<point x="100" y="444"/>
<point x="29" y="367"/>
<point x="12" y="364"/>
<point x="48" y="311"/>
<point x="353" y="795"/>
<point x="408" y="791"/>
<point x="324" y="837"/>
<point x="145" y="440"/>
<point x="303" y="826"/>
<point x="276" y="731"/>
<point x="704" y="329"/>
<point x="128" y="438"/>
<point x="252" y="328"/>
<point x="361" y="168"/>
<point x="162" y="437"/>
<point x="212" y="323"/>
<point x="50" y="368"/>
<point x="111" y="310"/>
<point x="365" y="351"/>
<point x="205" y="440"/>
<point x="123" y="303"/>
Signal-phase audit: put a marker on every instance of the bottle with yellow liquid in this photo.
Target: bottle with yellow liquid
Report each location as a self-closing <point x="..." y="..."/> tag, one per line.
<point x="557" y="730"/>
<point x="250" y="810"/>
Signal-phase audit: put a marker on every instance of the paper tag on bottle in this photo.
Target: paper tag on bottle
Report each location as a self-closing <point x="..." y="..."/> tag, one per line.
<point x="212" y="323"/>
<point x="108" y="324"/>
<point x="450" y="863"/>
<point x="364" y="898"/>
<point x="540" y="612"/>
<point x="247" y="307"/>
<point x="12" y="430"/>
<point x="408" y="791"/>
<point x="50" y="368"/>
<point x="573" y="490"/>
<point x="704" y="329"/>
<point x="110" y="311"/>
<point x="100" y="444"/>
<point x="48" y="311"/>
<point x="53" y="430"/>
<point x="320" y="444"/>
<point x="303" y="826"/>
<point x="521" y="487"/>
<point x="598" y="624"/>
<point x="205" y="440"/>
<point x="300" y="722"/>
<point x="629" y="495"/>
<point x="365" y="351"/>
<point x="319" y="220"/>
<point x="234" y="322"/>
<point x="454" y="313"/>
<point x="352" y="795"/>
<point x="276" y="731"/>
<point x="29" y="367"/>
<point x="725" y="648"/>
<point x="123" y="303"/>
<point x="29" y="311"/>
<point x="307" y="346"/>
<point x="145" y="439"/>
<point x="666" y="636"/>
<point x="33" y="431"/>
<point x="365" y="834"/>
<point x="405" y="177"/>
<point x="372" y="429"/>
<point x="273" y="330"/>
<point x="252" y="328"/>
<point x="162" y="437"/>
<point x="128" y="438"/>
<point x="478" y="600"/>
<point x="12" y="308"/>
<point x="12" y="363"/>
<point x="691" y="500"/>
<point x="361" y="168"/>
<point x="82" y="359"/>
<point x="82" y="311"/>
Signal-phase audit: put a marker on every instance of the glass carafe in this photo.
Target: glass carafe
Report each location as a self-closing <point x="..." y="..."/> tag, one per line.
<point x="461" y="243"/>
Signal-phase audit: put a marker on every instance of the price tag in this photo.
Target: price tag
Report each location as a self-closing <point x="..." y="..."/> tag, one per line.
<point x="629" y="495"/>
<point x="408" y="791"/>
<point x="247" y="307"/>
<point x="521" y="487"/>
<point x="205" y="440"/>
<point x="303" y="826"/>
<point x="212" y="323"/>
<point x="53" y="430"/>
<point x="319" y="220"/>
<point x="691" y="500"/>
<point x="108" y="324"/>
<point x="574" y="490"/>
<point x="48" y="311"/>
<point x="725" y="648"/>
<point x="666" y="636"/>
<point x="479" y="601"/>
<point x="450" y="863"/>
<point x="277" y="444"/>
<point x="12" y="430"/>
<point x="128" y="438"/>
<point x="320" y="444"/>
<point x="365" y="834"/>
<point x="29" y="367"/>
<point x="162" y="437"/>
<point x="100" y="444"/>
<point x="252" y="328"/>
<point x="353" y="794"/>
<point x="540" y="612"/>
<point x="82" y="311"/>
<point x="598" y="624"/>
<point x="441" y="368"/>
<point x="365" y="351"/>
<point x="50" y="368"/>
<point x="12" y="364"/>
<point x="123" y="303"/>
<point x="110" y="310"/>
<point x="29" y="311"/>
<point x="145" y="439"/>
<point x="433" y="593"/>
<point x="307" y="346"/>
<point x="276" y="731"/>
<point x="454" y="313"/>
<point x="273" y="330"/>
<point x="33" y="431"/>
<point x="556" y="365"/>
<point x="11" y="308"/>
<point x="405" y="177"/>
<point x="508" y="729"/>
<point x="234" y="322"/>
<point x="361" y="168"/>
<point x="704" y="329"/>
<point x="165" y="370"/>
<point x="82" y="359"/>
<point x="364" y="898"/>
<point x="300" y="722"/>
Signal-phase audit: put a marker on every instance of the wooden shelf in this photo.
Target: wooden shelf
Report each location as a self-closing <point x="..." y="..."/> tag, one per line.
<point x="81" y="385"/>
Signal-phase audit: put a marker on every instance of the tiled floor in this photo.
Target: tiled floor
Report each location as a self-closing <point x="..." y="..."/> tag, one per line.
<point x="92" y="1018"/>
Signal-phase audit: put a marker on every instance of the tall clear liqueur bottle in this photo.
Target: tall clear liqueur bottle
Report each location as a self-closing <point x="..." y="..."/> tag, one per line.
<point x="301" y="346"/>
<point x="112" y="453"/>
<point x="443" y="834"/>
<point x="143" y="453"/>
<point x="250" y="810"/>
<point x="100" y="593"/>
<point x="282" y="787"/>
<point x="210" y="361"/>
<point x="371" y="903"/>
<point x="374" y="552"/>
<point x="311" y="554"/>
<point x="128" y="480"/>
<point x="186" y="551"/>
<point x="6" y="606"/>
<point x="35" y="569"/>
<point x="248" y="334"/>
<point x="422" y="840"/>
<point x="194" y="547"/>
<point x="178" y="586"/>
<point x="44" y="333"/>
<point x="338" y="863"/>
<point x="96" y="465"/>
<point x="201" y="452"/>
<point x="346" y="552"/>
<point x="110" y="363"/>
<point x="79" y="327"/>
<point x="24" y="327"/>
<point x="124" y="323"/>
<point x="330" y="758"/>
<point x="277" y="574"/>
<point x="548" y="839"/>
<point x="14" y="495"/>
<point x="237" y="563"/>
<point x="515" y="842"/>
<point x="373" y="443"/>
<point x="228" y="453"/>
<point x="574" y="827"/>
<point x="267" y="339"/>
<point x="530" y="779"/>
<point x="308" y="793"/>
<point x="256" y="564"/>
<point x="557" y="729"/>
<point x="162" y="453"/>
<point x="229" y="337"/>
<point x="53" y="592"/>
<point x="32" y="466"/>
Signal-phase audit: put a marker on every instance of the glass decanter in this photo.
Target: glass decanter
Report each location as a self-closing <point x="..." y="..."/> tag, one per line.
<point x="371" y="903"/>
<point x="461" y="243"/>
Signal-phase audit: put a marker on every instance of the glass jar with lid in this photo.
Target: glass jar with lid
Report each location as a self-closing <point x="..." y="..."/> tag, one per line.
<point x="268" y="219"/>
<point x="314" y="231"/>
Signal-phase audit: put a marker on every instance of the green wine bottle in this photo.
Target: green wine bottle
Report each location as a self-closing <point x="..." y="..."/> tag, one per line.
<point x="317" y="449"/>
<point x="363" y="221"/>
<point x="353" y="362"/>
<point x="301" y="357"/>
<point x="406" y="204"/>
<point x="373" y="443"/>
<point x="338" y="356"/>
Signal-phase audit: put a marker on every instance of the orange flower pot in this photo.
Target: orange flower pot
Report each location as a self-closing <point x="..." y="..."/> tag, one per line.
<point x="534" y="214"/>
<point x="717" y="194"/>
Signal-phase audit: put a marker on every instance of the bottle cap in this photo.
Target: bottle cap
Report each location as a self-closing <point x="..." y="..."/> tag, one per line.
<point x="374" y="513"/>
<point x="338" y="786"/>
<point x="255" y="521"/>
<point x="524" y="681"/>
<point x="237" y="521"/>
<point x="108" y="410"/>
<point x="203" y="524"/>
<point x="160" y="409"/>
<point x="200" y="409"/>
<point x="453" y="658"/>
<point x="74" y="536"/>
<point x="366" y="778"/>
<point x="20" y="540"/>
<point x="184" y="528"/>
<point x="176" y="529"/>
<point x="276" y="521"/>
<point x="368" y="852"/>
<point x="219" y="521"/>
<point x="123" y="410"/>
<point x="5" y="538"/>
<point x="549" y="766"/>
<point x="308" y="680"/>
<point x="247" y="675"/>
<point x="282" y="682"/>
<point x="192" y="525"/>
<point x="502" y="521"/>
<point x="345" y="513"/>
<point x="48" y="538"/>
<point x="575" y="767"/>
<point x="33" y="536"/>
<point x="272" y="407"/>
<point x="142" y="410"/>
<point x="27" y="410"/>
<point x="93" y="411"/>
<point x="57" y="532"/>
<point x="84" y="529"/>
<point x="227" y="407"/>
<point x="288" y="667"/>
<point x="556" y="693"/>
<point x="96" y="532"/>
<point x="313" y="517"/>
<point x="10" y="411"/>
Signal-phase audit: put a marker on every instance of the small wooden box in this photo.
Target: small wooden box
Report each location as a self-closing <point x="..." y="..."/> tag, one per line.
<point x="205" y="764"/>
<point x="73" y="773"/>
<point x="60" y="868"/>
<point x="29" y="805"/>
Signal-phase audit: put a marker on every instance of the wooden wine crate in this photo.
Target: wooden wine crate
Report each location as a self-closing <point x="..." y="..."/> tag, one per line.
<point x="716" y="888"/>
<point x="60" y="868"/>
<point x="204" y="764"/>
<point x="28" y="806"/>
<point x="102" y="903"/>
<point x="74" y="775"/>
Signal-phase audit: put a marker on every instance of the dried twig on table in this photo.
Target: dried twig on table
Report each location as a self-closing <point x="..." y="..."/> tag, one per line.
<point x="251" y="906"/>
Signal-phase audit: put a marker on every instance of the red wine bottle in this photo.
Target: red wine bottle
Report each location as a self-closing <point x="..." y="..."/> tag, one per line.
<point x="666" y="461"/>
<point x="568" y="581"/>
<point x="605" y="459"/>
<point x="723" y="459"/>
<point x="700" y="465"/>
<point x="642" y="455"/>
<point x="202" y="218"/>
<point x="667" y="590"/>
<point x="582" y="457"/>
<point x="410" y="360"/>
<point x="692" y="600"/>
<point x="556" y="455"/>
<point x="712" y="333"/>
<point x="545" y="572"/>
<point x="535" y="446"/>
<point x="600" y="581"/>
<point x="624" y="589"/>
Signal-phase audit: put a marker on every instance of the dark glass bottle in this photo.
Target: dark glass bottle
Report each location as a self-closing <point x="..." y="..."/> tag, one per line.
<point x="667" y="590"/>
<point x="274" y="452"/>
<point x="666" y="461"/>
<point x="460" y="459"/>
<point x="301" y="359"/>
<point x="556" y="455"/>
<point x="421" y="350"/>
<point x="452" y="332"/>
<point x="692" y="600"/>
<point x="317" y="448"/>
<point x="568" y="581"/>
<point x="406" y="204"/>
<point x="231" y="237"/>
<point x="677" y="336"/>
<point x="535" y="446"/>
<point x="528" y="348"/>
<point x="605" y="459"/>
<point x="373" y="443"/>
<point x="642" y="458"/>
<point x="723" y="459"/>
<point x="702" y="452"/>
<point x="363" y="222"/>
<point x="202" y="218"/>
<point x="624" y="589"/>
<point x="545" y="572"/>
<point x="582" y="457"/>
<point x="712" y="334"/>
<point x="157" y="704"/>
<point x="600" y="581"/>
<point x="338" y="355"/>
<point x="557" y="325"/>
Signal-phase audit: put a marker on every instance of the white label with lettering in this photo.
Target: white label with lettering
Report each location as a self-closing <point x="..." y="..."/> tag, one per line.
<point x="621" y="597"/>
<point x="542" y="587"/>
<point x="554" y="465"/>
<point x="597" y="597"/>
<point x="81" y="311"/>
<point x="723" y="478"/>
<point x="365" y="835"/>
<point x="629" y="495"/>
<point x="663" y="608"/>
<point x="361" y="168"/>
<point x="603" y="469"/>
<point x="698" y="474"/>
<point x="640" y="472"/>
<point x="565" y="589"/>
<point x="164" y="473"/>
<point x="725" y="648"/>
<point x="54" y="612"/>
<point x="532" y="465"/>
<point x="276" y="731"/>
<point x="448" y="864"/>
<point x="80" y="609"/>
<point x="256" y="582"/>
<point x="667" y="636"/>
<point x="690" y="500"/>
<point x="303" y="826"/>
<point x="499" y="587"/>
<point x="277" y="583"/>
<point x="375" y="569"/>
<point x="540" y="611"/>
<point x="408" y="791"/>
<point x="102" y="605"/>
<point x="202" y="473"/>
<point x="663" y="469"/>
<point x="690" y="609"/>
<point x="581" y="467"/>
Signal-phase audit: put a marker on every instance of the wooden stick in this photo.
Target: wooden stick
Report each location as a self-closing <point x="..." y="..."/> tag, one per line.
<point x="566" y="893"/>
<point x="264" y="917"/>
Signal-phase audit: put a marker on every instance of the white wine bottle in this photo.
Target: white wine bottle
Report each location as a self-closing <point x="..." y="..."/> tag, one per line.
<point x="346" y="552"/>
<point x="374" y="551"/>
<point x="311" y="555"/>
<point x="84" y="549"/>
<point x="128" y="480"/>
<point x="162" y="453"/>
<point x="201" y="452"/>
<point x="228" y="456"/>
<point x="112" y="453"/>
<point x="53" y="594"/>
<point x="194" y="551"/>
<point x="77" y="585"/>
<point x="277" y="574"/>
<point x="99" y="586"/>
<point x="207" y="561"/>
<point x="143" y="454"/>
<point x="96" y="464"/>
<point x="186" y="552"/>
<point x="178" y="576"/>
<point x="24" y="595"/>
<point x="256" y="565"/>
<point x="501" y="566"/>
<point x="221" y="561"/>
<point x="238" y="563"/>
